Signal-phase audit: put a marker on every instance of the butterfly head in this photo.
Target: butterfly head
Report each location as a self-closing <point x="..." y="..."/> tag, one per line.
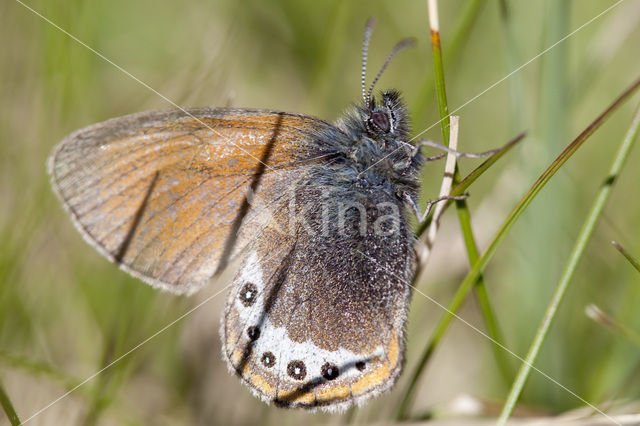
<point x="378" y="148"/>
<point x="387" y="118"/>
<point x="379" y="127"/>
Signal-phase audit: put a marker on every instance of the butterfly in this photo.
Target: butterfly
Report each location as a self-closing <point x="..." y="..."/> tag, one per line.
<point x="315" y="213"/>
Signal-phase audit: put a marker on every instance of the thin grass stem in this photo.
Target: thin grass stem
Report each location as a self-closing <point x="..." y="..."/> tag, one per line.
<point x="607" y="320"/>
<point x="464" y="218"/>
<point x="634" y="262"/>
<point x="576" y="254"/>
<point x="8" y="408"/>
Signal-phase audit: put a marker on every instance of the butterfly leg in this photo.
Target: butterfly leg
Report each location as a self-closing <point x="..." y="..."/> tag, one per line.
<point x="426" y="142"/>
<point x="434" y="158"/>
<point x="422" y="217"/>
<point x="415" y="150"/>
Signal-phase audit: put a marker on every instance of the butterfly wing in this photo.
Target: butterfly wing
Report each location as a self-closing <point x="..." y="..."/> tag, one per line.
<point x="163" y="193"/>
<point x="316" y="319"/>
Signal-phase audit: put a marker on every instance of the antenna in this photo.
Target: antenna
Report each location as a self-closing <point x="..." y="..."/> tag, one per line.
<point x="368" y="29"/>
<point x="407" y="42"/>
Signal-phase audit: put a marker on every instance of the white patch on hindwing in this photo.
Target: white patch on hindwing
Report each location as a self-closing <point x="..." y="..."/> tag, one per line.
<point x="276" y="340"/>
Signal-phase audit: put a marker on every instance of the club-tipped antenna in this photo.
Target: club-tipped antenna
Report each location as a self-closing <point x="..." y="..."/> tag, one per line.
<point x="402" y="44"/>
<point x="368" y="29"/>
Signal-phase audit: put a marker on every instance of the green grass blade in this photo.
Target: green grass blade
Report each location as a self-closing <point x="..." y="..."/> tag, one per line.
<point x="464" y="217"/>
<point x="460" y="35"/>
<point x="482" y="262"/>
<point x="576" y="254"/>
<point x="8" y="407"/>
<point x="634" y="262"/>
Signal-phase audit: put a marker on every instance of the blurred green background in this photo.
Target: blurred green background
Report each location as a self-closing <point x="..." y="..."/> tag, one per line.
<point x="65" y="312"/>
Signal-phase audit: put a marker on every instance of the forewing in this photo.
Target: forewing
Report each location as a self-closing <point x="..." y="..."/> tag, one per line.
<point x="163" y="194"/>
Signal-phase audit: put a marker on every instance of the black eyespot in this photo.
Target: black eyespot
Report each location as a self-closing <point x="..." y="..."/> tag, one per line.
<point x="297" y="370"/>
<point x="253" y="332"/>
<point x="380" y="120"/>
<point x="268" y="359"/>
<point x="248" y="294"/>
<point x="330" y="371"/>
<point x="360" y="365"/>
<point x="246" y="354"/>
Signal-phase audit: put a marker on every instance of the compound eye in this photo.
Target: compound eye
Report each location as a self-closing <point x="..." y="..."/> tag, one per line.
<point x="380" y="120"/>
